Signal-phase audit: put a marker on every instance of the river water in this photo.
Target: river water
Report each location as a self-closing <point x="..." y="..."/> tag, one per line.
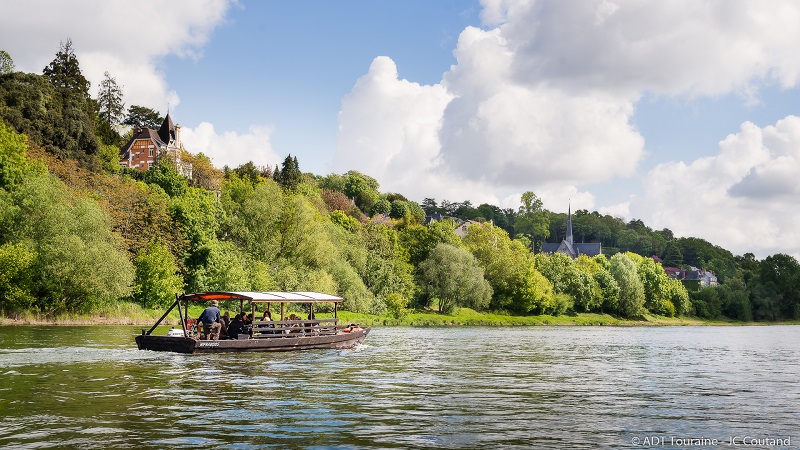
<point x="536" y="387"/>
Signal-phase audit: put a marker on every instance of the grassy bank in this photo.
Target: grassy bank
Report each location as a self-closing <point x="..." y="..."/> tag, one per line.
<point x="131" y="314"/>
<point x="468" y="317"/>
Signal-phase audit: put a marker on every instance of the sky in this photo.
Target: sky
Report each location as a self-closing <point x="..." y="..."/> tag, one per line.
<point x="683" y="114"/>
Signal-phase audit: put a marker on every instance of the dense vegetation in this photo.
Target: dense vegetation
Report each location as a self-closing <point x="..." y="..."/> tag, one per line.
<point x="78" y="234"/>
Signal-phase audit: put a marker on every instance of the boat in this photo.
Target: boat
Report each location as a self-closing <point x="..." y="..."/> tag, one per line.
<point x="263" y="336"/>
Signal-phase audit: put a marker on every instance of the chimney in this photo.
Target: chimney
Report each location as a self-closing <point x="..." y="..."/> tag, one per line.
<point x="178" y="136"/>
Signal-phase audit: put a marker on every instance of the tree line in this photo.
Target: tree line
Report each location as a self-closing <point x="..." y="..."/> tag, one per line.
<point x="78" y="233"/>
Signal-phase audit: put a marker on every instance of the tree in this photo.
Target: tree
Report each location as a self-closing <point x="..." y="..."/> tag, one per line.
<point x="631" y="291"/>
<point x="109" y="100"/>
<point x="13" y="163"/>
<point x="6" y="63"/>
<point x="532" y="220"/>
<point x="289" y="176"/>
<point x="73" y="133"/>
<point x="204" y="174"/>
<point x="79" y="261"/>
<point x="362" y="189"/>
<point x="453" y="276"/>
<point x="65" y="74"/>
<point x="17" y="266"/>
<point x="510" y="270"/>
<point x="156" y="280"/>
<point x="143" y="117"/>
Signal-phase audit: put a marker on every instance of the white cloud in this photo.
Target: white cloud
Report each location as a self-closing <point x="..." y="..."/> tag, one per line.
<point x="230" y="148"/>
<point x="544" y="98"/>
<point x="125" y="39"/>
<point x="743" y="198"/>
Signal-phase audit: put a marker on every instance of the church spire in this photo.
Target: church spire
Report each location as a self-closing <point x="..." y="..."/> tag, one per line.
<point x="569" y="225"/>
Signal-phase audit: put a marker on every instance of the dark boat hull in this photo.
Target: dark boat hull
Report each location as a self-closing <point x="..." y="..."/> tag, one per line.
<point x="273" y="344"/>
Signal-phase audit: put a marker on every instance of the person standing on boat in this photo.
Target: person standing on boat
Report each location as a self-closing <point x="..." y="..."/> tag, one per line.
<point x="210" y="318"/>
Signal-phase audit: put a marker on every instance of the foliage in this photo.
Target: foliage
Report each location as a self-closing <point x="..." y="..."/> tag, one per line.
<point x="156" y="280"/>
<point x="532" y="221"/>
<point x="631" y="290"/>
<point x="396" y="305"/>
<point x="143" y="117"/>
<point x="6" y="63"/>
<point x="17" y="263"/>
<point x="204" y="174"/>
<point x="290" y="176"/>
<point x="350" y="224"/>
<point x="13" y="163"/>
<point x="60" y="122"/>
<point x="509" y="269"/>
<point x="165" y="174"/>
<point x="109" y="100"/>
<point x="362" y="189"/>
<point x="79" y="262"/>
<point x="453" y="276"/>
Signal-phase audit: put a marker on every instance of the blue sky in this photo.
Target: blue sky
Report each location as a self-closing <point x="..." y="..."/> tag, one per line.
<point x="680" y="113"/>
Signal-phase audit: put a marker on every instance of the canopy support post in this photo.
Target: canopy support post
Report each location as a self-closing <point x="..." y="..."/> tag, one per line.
<point x="180" y="314"/>
<point x="177" y="303"/>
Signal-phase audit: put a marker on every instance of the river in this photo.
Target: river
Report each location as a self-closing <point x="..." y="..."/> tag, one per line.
<point x="535" y="387"/>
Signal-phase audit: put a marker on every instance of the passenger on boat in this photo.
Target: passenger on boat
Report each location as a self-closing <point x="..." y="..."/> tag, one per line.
<point x="211" y="319"/>
<point x="296" y="326"/>
<point x="236" y="327"/>
<point x="268" y="318"/>
<point x="226" y="319"/>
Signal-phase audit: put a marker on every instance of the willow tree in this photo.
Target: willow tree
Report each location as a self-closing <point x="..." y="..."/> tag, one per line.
<point x="454" y="277"/>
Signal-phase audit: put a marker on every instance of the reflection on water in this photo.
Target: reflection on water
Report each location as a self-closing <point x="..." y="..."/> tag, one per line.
<point x="581" y="387"/>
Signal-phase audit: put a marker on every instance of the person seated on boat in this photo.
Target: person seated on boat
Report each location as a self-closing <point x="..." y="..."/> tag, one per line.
<point x="226" y="319"/>
<point x="268" y="318"/>
<point x="297" y="327"/>
<point x="236" y="327"/>
<point x="211" y="320"/>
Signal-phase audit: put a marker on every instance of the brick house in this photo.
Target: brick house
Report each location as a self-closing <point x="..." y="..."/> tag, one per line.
<point x="148" y="146"/>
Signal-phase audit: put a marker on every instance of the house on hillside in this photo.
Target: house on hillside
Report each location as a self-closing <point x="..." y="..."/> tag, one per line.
<point x="462" y="229"/>
<point x="571" y="248"/>
<point x="694" y="278"/>
<point x="148" y="146"/>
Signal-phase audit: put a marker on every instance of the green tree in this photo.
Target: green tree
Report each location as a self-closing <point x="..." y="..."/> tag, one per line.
<point x="80" y="264"/>
<point x="399" y="209"/>
<point x="290" y="176"/>
<point x="65" y="74"/>
<point x="74" y="134"/>
<point x="109" y="100"/>
<point x="13" y="163"/>
<point x="631" y="290"/>
<point x="381" y="206"/>
<point x="143" y="117"/>
<point x="166" y="175"/>
<point x="533" y="220"/>
<point x="510" y="270"/>
<point x="156" y="279"/>
<point x="454" y="277"/>
<point x="6" y="63"/>
<point x="343" y="220"/>
<point x="17" y="265"/>
<point x="362" y="189"/>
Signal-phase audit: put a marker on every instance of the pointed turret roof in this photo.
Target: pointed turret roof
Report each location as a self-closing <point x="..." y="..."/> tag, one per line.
<point x="167" y="130"/>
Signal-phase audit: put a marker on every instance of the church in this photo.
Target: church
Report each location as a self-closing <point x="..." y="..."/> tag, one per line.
<point x="569" y="247"/>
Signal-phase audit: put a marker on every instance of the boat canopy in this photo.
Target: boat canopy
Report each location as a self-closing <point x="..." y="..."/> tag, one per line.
<point x="265" y="297"/>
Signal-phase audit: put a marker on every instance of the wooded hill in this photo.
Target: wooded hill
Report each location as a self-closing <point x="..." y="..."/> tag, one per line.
<point x="78" y="233"/>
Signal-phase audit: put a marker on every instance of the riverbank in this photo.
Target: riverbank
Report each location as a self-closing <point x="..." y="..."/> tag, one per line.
<point x="128" y="314"/>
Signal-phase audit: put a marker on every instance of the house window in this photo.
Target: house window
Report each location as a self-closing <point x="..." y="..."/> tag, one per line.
<point x="150" y="152"/>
